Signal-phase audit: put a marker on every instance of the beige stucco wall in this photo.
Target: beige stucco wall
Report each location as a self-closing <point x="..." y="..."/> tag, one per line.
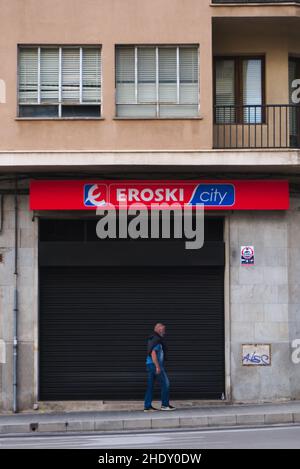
<point x="105" y="22"/>
<point x="110" y="22"/>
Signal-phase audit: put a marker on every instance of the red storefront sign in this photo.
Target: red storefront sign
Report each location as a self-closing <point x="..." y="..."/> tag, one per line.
<point x="214" y="194"/>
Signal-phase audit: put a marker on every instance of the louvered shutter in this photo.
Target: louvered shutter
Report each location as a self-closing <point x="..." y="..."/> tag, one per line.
<point x="70" y="75"/>
<point x="178" y="73"/>
<point x="252" y="90"/>
<point x="49" y="75"/>
<point x="28" y="76"/>
<point x="146" y="64"/>
<point x="125" y="77"/>
<point x="167" y="75"/>
<point x="146" y="75"/>
<point x="91" y="75"/>
<point x="177" y="85"/>
<point x="188" y="83"/>
<point x="225" y="95"/>
<point x="188" y="75"/>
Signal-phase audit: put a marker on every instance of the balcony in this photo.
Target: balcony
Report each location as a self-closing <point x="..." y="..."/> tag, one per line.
<point x="249" y="127"/>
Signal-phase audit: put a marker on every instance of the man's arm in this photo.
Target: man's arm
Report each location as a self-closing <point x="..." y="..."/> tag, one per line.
<point x="155" y="361"/>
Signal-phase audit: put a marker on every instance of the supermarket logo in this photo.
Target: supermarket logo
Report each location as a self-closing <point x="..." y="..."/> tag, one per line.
<point x="94" y="195"/>
<point x="214" y="195"/>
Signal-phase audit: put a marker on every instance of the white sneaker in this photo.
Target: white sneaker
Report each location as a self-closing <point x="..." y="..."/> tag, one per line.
<point x="169" y="407"/>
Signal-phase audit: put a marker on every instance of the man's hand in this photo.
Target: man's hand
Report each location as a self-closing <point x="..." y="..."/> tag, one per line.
<point x="155" y="361"/>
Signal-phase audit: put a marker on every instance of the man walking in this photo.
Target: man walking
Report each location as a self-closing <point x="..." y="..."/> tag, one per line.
<point x="156" y="353"/>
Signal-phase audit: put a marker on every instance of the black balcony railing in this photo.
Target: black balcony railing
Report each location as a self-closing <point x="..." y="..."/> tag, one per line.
<point x="255" y="1"/>
<point x="267" y="126"/>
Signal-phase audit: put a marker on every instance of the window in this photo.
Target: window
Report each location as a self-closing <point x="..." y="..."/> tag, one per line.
<point x="59" y="82"/>
<point x="157" y="82"/>
<point x="239" y="90"/>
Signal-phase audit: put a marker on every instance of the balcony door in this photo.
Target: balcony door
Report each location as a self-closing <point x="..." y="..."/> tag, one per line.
<point x="239" y="90"/>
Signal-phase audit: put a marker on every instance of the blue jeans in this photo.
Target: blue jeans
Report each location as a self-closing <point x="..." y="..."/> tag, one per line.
<point x="164" y="384"/>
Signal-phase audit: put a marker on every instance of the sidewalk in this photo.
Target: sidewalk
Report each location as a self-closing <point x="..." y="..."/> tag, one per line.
<point x="206" y="416"/>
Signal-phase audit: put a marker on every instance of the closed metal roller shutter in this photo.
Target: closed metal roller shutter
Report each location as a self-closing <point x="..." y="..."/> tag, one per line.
<point x="94" y="321"/>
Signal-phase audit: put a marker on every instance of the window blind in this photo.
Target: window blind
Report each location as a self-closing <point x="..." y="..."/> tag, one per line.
<point x="70" y="75"/>
<point x="49" y="75"/>
<point x="188" y="81"/>
<point x="188" y="60"/>
<point x="147" y="75"/>
<point x="225" y="94"/>
<point x="28" y="76"/>
<point x="168" y="75"/>
<point x="91" y="75"/>
<point x="252" y="90"/>
<point x="126" y="75"/>
<point x="60" y="76"/>
<point x="157" y="81"/>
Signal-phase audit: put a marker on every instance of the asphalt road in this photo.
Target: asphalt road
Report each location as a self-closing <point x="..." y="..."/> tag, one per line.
<point x="231" y="438"/>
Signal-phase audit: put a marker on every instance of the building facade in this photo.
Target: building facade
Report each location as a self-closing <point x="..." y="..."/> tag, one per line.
<point x="150" y="94"/>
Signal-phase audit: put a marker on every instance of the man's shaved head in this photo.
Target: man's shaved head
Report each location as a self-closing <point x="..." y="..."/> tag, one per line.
<point x="160" y="328"/>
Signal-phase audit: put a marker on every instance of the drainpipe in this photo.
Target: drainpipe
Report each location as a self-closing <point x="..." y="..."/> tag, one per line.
<point x="15" y="312"/>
